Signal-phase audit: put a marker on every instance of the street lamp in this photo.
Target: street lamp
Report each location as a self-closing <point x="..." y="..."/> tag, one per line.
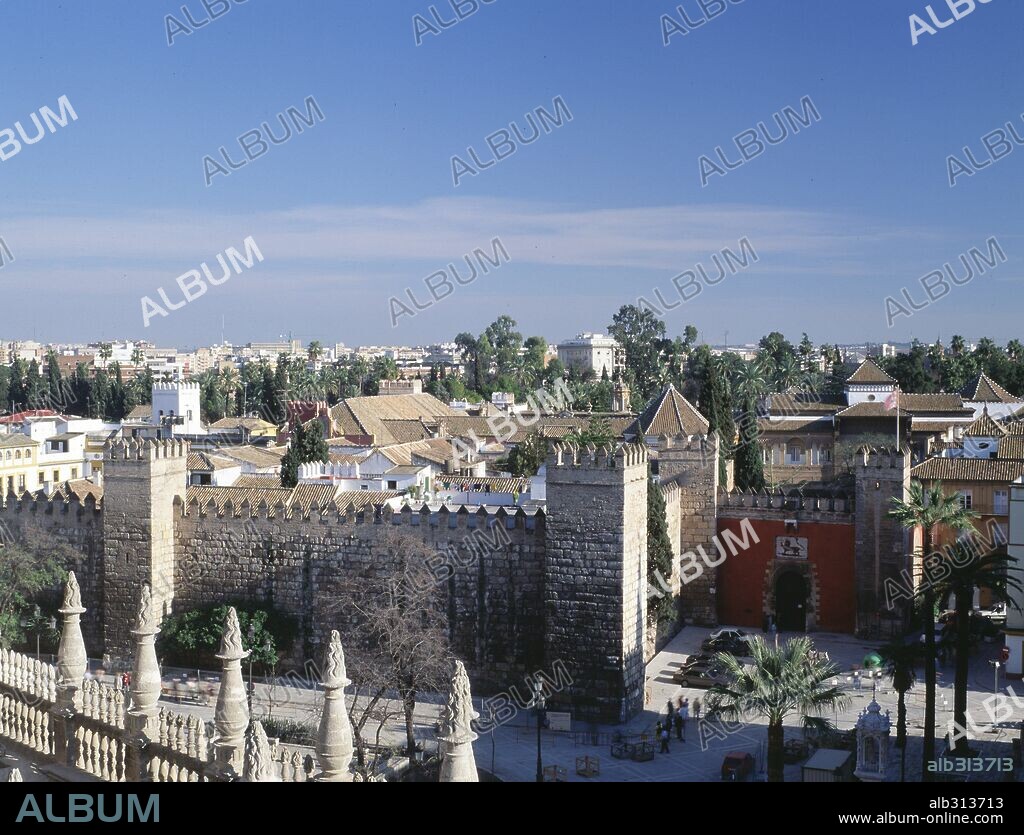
<point x="539" y="703"/>
<point x="995" y="669"/>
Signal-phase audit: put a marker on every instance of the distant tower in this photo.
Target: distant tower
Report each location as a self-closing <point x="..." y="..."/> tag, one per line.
<point x="620" y="397"/>
<point x="176" y="409"/>
<point x="141" y="482"/>
<point x="881" y="542"/>
<point x="595" y="590"/>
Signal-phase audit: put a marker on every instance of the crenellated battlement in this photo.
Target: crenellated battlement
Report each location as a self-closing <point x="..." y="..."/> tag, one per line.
<point x="281" y="508"/>
<point x="175" y="386"/>
<point x="60" y="501"/>
<point x="591" y="457"/>
<point x="883" y="457"/>
<point x="792" y="502"/>
<point x="144" y="450"/>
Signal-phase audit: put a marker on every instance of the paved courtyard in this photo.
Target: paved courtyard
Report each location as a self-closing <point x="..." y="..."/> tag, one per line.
<point x="515" y="753"/>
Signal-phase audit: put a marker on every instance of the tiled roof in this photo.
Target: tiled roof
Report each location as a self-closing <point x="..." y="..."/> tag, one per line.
<point x="984" y="427"/>
<point x="237" y="495"/>
<point x="951" y="403"/>
<point x="968" y="469"/>
<point x="671" y="414"/>
<point x="800" y="403"/>
<point x="438" y="450"/>
<point x="143" y="412"/>
<point x="869" y="374"/>
<point x="986" y="390"/>
<point x="362" y="498"/>
<point x="935" y="426"/>
<point x="822" y="424"/>
<point x="1012" y="447"/>
<point x="249" y="423"/>
<point x="406" y="469"/>
<point x="305" y="494"/>
<point x="873" y="410"/>
<point x="479" y="484"/>
<point x="80" y="487"/>
<point x="258" y="480"/>
<point x="367" y="415"/>
<point x="404" y="431"/>
<point x="1015" y="426"/>
<point x="16" y="440"/>
<point x="257" y="456"/>
<point x="204" y="461"/>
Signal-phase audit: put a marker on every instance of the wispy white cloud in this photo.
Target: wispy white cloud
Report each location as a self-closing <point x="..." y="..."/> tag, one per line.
<point x="380" y="237"/>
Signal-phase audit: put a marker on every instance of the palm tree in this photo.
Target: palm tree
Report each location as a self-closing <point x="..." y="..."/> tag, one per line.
<point x="778" y="683"/>
<point x="138" y="356"/>
<point x="901" y="665"/>
<point x="228" y="386"/>
<point x="928" y="509"/>
<point x="315" y="350"/>
<point x="970" y="571"/>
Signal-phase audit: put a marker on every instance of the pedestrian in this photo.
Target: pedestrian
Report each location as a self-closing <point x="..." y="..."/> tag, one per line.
<point x="684" y="713"/>
<point x="696" y="709"/>
<point x="671" y="709"/>
<point x="664" y="740"/>
<point x="679" y="726"/>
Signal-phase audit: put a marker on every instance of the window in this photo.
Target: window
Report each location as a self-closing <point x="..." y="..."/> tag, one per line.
<point x="795" y="454"/>
<point x="1000" y="502"/>
<point x="42" y="476"/>
<point x="21" y="482"/>
<point x="56" y="475"/>
<point x="74" y="472"/>
<point x="392" y="485"/>
<point x="966" y="499"/>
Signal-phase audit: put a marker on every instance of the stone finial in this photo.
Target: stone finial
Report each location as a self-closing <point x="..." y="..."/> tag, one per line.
<point x="334" y="746"/>
<point x="335" y="674"/>
<point x="145" y="620"/>
<point x="458" y="764"/>
<point x="72" y="659"/>
<point x="72" y="596"/>
<point x="459" y="713"/>
<point x="15" y="776"/>
<point x="259" y="767"/>
<point x="231" y="716"/>
<point x="231" y="637"/>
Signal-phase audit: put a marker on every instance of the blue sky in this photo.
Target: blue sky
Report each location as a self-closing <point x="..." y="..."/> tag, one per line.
<point x="596" y="213"/>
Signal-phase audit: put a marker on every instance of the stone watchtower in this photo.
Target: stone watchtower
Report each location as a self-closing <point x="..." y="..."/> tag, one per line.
<point x="595" y="603"/>
<point x="880" y="547"/>
<point x="691" y="463"/>
<point x="142" y="479"/>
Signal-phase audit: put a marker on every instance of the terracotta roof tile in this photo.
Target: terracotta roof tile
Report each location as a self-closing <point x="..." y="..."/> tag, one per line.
<point x="986" y="390"/>
<point x="671" y="414"/>
<point x="969" y="469"/>
<point x="868" y="373"/>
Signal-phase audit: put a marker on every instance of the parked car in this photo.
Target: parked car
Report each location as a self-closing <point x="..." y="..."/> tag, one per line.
<point x="730" y="632"/>
<point x="698" y="658"/>
<point x="700" y="677"/>
<point x="690" y="670"/>
<point x="737" y="765"/>
<point x="734" y="647"/>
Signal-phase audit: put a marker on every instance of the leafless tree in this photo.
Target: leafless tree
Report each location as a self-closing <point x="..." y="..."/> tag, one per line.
<point x="399" y="633"/>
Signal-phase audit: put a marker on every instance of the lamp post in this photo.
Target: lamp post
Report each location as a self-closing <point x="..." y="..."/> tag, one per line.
<point x="539" y="703"/>
<point x="995" y="669"/>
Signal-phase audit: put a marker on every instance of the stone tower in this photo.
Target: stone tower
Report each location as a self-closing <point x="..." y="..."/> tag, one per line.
<point x="595" y="586"/>
<point x="691" y="463"/>
<point x="881" y="546"/>
<point x="142" y="479"/>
